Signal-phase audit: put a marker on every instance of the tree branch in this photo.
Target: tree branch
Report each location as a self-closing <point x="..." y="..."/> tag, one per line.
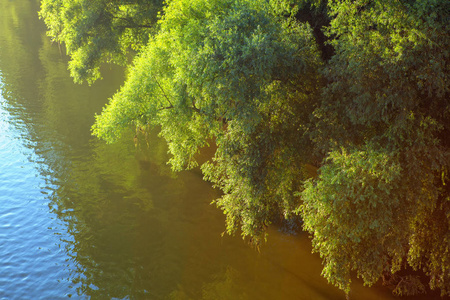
<point x="167" y="107"/>
<point x="162" y="90"/>
<point x="194" y="107"/>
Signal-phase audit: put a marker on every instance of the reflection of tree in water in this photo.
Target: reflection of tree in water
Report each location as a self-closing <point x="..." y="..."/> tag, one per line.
<point x="117" y="233"/>
<point x="224" y="286"/>
<point x="125" y="223"/>
<point x="117" y="238"/>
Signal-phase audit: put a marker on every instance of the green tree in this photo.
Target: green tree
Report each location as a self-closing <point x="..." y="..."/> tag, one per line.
<point x="99" y="31"/>
<point x="381" y="202"/>
<point x="236" y="73"/>
<point x="257" y="80"/>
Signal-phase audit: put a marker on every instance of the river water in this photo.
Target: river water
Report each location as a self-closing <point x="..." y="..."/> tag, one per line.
<point x="86" y="220"/>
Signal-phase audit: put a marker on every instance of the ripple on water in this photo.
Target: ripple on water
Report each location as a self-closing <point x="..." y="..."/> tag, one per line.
<point x="31" y="260"/>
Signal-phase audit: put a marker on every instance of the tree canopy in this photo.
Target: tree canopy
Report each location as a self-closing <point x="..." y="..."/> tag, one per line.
<point x="94" y="32"/>
<point x="358" y="89"/>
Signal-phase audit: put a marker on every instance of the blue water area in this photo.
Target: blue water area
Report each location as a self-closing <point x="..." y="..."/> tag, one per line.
<point x="33" y="265"/>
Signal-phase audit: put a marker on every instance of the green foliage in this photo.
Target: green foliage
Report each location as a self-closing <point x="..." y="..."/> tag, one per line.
<point x="388" y="94"/>
<point x="235" y="72"/>
<point x="247" y="77"/>
<point x="354" y="208"/>
<point x="98" y="31"/>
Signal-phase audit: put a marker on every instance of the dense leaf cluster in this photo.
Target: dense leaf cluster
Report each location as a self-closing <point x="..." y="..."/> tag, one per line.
<point x="257" y="80"/>
<point x="99" y="31"/>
